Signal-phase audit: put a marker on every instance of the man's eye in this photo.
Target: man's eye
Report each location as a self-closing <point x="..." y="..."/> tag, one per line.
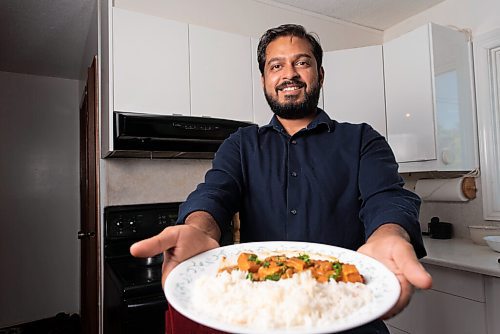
<point x="276" y="67"/>
<point x="302" y="63"/>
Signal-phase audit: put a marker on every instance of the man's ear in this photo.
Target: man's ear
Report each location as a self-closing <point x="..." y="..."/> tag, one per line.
<point x="321" y="75"/>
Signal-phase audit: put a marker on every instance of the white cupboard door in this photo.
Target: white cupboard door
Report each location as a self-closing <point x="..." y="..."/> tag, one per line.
<point x="221" y="74"/>
<point x="262" y="113"/>
<point x="150" y="64"/>
<point x="354" y="86"/>
<point x="409" y="96"/>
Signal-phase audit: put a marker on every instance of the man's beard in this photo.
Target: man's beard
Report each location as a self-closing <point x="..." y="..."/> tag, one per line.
<point x="292" y="109"/>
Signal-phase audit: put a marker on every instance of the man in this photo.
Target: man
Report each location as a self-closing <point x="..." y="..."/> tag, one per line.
<point x="303" y="177"/>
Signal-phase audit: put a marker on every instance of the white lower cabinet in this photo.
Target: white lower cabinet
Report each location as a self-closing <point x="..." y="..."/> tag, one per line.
<point x="492" y="287"/>
<point x="457" y="304"/>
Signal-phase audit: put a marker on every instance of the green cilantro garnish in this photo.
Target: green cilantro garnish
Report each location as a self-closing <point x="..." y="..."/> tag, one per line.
<point x="304" y="257"/>
<point x="252" y="258"/>
<point x="249" y="276"/>
<point x="337" y="266"/>
<point x="266" y="264"/>
<point x="273" y="277"/>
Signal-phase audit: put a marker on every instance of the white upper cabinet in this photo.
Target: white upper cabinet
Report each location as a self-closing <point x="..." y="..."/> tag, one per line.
<point x="429" y="106"/>
<point x="261" y="111"/>
<point x="221" y="74"/>
<point x="354" y="86"/>
<point x="150" y="64"/>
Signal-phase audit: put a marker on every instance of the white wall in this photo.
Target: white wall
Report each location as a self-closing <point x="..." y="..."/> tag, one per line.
<point x="478" y="15"/>
<point x="39" y="200"/>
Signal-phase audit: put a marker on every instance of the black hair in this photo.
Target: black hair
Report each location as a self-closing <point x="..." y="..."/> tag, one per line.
<point x="288" y="30"/>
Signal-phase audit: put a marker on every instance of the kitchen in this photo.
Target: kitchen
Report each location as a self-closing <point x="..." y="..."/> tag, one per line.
<point x="52" y="177"/>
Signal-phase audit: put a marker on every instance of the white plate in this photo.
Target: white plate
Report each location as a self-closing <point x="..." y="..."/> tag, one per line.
<point x="383" y="284"/>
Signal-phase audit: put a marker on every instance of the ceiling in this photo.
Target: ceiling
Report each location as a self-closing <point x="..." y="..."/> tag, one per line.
<point x="47" y="37"/>
<point x="375" y="14"/>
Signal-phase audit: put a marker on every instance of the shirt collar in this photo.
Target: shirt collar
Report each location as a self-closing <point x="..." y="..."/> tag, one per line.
<point x="321" y="118"/>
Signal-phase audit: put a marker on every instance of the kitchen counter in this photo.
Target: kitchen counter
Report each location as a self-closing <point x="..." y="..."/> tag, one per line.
<point x="462" y="254"/>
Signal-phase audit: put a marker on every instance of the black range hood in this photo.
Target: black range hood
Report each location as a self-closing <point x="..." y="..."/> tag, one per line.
<point x="164" y="136"/>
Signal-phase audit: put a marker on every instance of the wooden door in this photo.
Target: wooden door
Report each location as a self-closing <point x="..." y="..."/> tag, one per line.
<point x="89" y="201"/>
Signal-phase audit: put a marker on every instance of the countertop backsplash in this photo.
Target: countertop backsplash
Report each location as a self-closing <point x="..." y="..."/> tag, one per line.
<point x="137" y="181"/>
<point x="459" y="214"/>
<point x="134" y="181"/>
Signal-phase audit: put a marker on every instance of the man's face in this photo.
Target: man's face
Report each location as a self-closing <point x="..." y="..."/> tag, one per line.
<point x="291" y="80"/>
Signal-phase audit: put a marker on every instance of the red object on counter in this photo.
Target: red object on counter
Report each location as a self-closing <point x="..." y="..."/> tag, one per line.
<point x="176" y="323"/>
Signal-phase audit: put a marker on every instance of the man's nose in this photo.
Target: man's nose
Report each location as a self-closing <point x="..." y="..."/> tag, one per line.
<point x="290" y="73"/>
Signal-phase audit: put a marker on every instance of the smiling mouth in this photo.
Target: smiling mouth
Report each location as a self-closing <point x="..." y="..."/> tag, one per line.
<point x="289" y="89"/>
<point x="290" y="86"/>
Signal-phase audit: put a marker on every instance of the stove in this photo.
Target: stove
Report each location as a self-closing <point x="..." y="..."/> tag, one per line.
<point x="133" y="297"/>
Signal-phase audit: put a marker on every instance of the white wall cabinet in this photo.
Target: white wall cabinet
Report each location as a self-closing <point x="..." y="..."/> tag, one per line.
<point x="353" y="89"/>
<point x="150" y="64"/>
<point x="221" y="74"/>
<point x="430" y="112"/>
<point x="459" y="302"/>
<point x="262" y="113"/>
<point x="153" y="65"/>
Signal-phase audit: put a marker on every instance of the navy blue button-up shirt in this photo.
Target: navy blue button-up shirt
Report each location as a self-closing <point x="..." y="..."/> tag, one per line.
<point x="331" y="183"/>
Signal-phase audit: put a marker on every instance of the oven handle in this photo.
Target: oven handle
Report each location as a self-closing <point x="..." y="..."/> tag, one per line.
<point x="149" y="303"/>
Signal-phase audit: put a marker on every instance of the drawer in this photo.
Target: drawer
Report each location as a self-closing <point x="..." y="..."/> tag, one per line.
<point x="457" y="282"/>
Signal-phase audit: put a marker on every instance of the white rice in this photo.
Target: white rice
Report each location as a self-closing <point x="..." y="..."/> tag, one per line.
<point x="297" y="301"/>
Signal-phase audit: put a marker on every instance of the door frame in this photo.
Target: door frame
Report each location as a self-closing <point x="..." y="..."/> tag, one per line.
<point x="90" y="232"/>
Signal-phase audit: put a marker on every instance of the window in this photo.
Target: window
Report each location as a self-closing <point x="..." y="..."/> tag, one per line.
<point x="487" y="63"/>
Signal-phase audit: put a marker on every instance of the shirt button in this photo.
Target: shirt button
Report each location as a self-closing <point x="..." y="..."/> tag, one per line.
<point x="294" y="142"/>
<point x="294" y="174"/>
<point x="293" y="212"/>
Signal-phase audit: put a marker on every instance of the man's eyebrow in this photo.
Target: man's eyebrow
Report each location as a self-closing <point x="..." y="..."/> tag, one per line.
<point x="296" y="56"/>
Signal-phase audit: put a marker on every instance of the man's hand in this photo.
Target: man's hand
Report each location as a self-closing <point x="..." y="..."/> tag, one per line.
<point x="390" y="245"/>
<point x="178" y="243"/>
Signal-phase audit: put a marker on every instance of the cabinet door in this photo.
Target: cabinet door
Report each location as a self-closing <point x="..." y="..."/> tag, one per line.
<point x="221" y="74"/>
<point x="409" y="96"/>
<point x="150" y="64"/>
<point x="262" y="113"/>
<point x="455" y="304"/>
<point x="354" y="86"/>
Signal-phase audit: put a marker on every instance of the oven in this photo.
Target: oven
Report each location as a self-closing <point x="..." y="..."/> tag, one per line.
<point x="133" y="297"/>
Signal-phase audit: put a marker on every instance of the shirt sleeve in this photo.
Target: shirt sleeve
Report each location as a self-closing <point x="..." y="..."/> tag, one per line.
<point x="384" y="200"/>
<point x="221" y="190"/>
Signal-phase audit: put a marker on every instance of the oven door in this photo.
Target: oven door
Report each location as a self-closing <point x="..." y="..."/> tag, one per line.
<point x="140" y="312"/>
<point x="145" y="315"/>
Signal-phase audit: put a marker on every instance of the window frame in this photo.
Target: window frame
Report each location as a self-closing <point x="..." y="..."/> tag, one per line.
<point x="487" y="75"/>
